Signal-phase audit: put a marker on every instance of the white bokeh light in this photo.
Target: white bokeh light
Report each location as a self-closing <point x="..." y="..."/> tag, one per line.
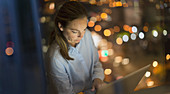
<point x="141" y="35"/>
<point x="155" y="33"/>
<point x="155" y="63"/>
<point x="134" y="29"/>
<point x="133" y="36"/>
<point x="94" y="19"/>
<point x="165" y="32"/>
<point x="118" y="59"/>
<point x="125" y="61"/>
<point x="125" y="38"/>
<point x="107" y="71"/>
<point x="147" y="74"/>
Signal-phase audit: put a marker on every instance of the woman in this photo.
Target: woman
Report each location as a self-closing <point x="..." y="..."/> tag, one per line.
<point x="72" y="59"/>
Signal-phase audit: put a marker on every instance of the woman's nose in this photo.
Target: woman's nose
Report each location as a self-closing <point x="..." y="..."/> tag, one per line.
<point x="80" y="34"/>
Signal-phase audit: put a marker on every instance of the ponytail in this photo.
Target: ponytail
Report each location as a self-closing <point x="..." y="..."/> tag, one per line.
<point x="58" y="37"/>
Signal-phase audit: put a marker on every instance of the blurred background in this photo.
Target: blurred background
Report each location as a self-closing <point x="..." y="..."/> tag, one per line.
<point x="128" y="34"/>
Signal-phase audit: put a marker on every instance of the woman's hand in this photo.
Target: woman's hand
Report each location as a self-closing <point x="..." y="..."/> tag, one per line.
<point x="97" y="83"/>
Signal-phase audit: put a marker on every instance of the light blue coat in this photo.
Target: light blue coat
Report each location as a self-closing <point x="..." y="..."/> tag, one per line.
<point x="73" y="76"/>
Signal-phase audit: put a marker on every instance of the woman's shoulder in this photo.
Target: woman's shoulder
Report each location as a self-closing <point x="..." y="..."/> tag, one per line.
<point x="88" y="33"/>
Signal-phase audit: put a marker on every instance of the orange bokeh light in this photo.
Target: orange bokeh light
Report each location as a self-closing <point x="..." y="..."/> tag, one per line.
<point x="103" y="15"/>
<point x="104" y="59"/>
<point x="145" y="28"/>
<point x="112" y="4"/>
<point x="97" y="28"/>
<point x="130" y="30"/>
<point x="118" y="4"/>
<point x="98" y="18"/>
<point x="126" y="27"/>
<point x="91" y="23"/>
<point x="9" y="51"/>
<point x="116" y="28"/>
<point x="125" y="5"/>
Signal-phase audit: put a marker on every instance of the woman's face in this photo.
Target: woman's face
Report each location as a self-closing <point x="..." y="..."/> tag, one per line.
<point x="75" y="30"/>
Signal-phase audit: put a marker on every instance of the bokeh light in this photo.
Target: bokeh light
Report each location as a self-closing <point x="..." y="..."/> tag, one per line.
<point x="125" y="38"/>
<point x="98" y="18"/>
<point x="157" y="6"/>
<point x="145" y="29"/>
<point x="167" y="57"/>
<point x="103" y="15"/>
<point x="130" y="30"/>
<point x="109" y="11"/>
<point x="150" y="83"/>
<point x="116" y="28"/>
<point x="42" y="19"/>
<point x="92" y="2"/>
<point x="107" y="71"/>
<point x="147" y="74"/>
<point x="91" y="24"/>
<point x="104" y="53"/>
<point x="104" y="59"/>
<point x="141" y="35"/>
<point x="125" y="4"/>
<point x="155" y="64"/>
<point x="10" y="44"/>
<point x="97" y="28"/>
<point x="94" y="19"/>
<point x="118" y="4"/>
<point x="125" y="61"/>
<point x="52" y="6"/>
<point x="165" y="32"/>
<point x="126" y="27"/>
<point x="155" y="33"/>
<point x="107" y="32"/>
<point x="112" y="4"/>
<point x="134" y="29"/>
<point x="118" y="59"/>
<point x="44" y="48"/>
<point x="133" y="36"/>
<point x="119" y="41"/>
<point x="9" y="51"/>
<point x="110" y="52"/>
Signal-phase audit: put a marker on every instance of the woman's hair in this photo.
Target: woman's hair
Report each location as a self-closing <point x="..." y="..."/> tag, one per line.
<point x="69" y="11"/>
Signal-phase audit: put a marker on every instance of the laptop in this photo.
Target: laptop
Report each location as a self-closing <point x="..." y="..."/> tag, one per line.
<point x="125" y="85"/>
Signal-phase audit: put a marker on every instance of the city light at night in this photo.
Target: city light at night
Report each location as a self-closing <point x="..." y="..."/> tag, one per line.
<point x="134" y="29"/>
<point x="119" y="41"/>
<point x="97" y="28"/>
<point x="133" y="36"/>
<point x="155" y="64"/>
<point x="9" y="51"/>
<point x="125" y="38"/>
<point x="147" y="74"/>
<point x="141" y="35"/>
<point x="107" y="71"/>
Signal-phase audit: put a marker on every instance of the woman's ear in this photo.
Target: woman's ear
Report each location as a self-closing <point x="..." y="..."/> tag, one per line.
<point x="60" y="26"/>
